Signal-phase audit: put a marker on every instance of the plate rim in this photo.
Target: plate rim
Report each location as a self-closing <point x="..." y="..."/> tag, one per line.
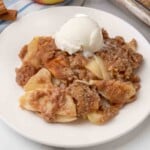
<point x="20" y="132"/>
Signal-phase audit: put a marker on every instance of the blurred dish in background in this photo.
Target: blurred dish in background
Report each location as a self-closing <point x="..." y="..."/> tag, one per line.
<point x="140" y="8"/>
<point x="145" y="3"/>
<point x="51" y="2"/>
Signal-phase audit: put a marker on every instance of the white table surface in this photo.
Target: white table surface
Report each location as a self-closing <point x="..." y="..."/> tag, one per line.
<point x="137" y="139"/>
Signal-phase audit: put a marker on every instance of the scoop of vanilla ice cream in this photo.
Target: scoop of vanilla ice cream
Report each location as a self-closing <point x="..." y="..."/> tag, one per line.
<point x="79" y="33"/>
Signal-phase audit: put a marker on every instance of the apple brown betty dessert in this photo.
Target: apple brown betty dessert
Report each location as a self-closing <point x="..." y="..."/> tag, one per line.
<point x="63" y="88"/>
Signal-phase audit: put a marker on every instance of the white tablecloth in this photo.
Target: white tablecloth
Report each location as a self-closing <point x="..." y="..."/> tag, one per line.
<point x="138" y="139"/>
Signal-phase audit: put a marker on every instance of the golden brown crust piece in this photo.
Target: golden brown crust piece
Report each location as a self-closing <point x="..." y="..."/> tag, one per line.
<point x="121" y="58"/>
<point x="87" y="99"/>
<point x="24" y="73"/>
<point x="101" y="117"/>
<point x="60" y="68"/>
<point x="46" y="102"/>
<point x="117" y="92"/>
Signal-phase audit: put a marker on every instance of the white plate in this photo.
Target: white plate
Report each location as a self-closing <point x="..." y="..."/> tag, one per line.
<point x="46" y="22"/>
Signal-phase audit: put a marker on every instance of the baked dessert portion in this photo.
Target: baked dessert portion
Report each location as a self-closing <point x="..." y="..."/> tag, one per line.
<point x="63" y="87"/>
